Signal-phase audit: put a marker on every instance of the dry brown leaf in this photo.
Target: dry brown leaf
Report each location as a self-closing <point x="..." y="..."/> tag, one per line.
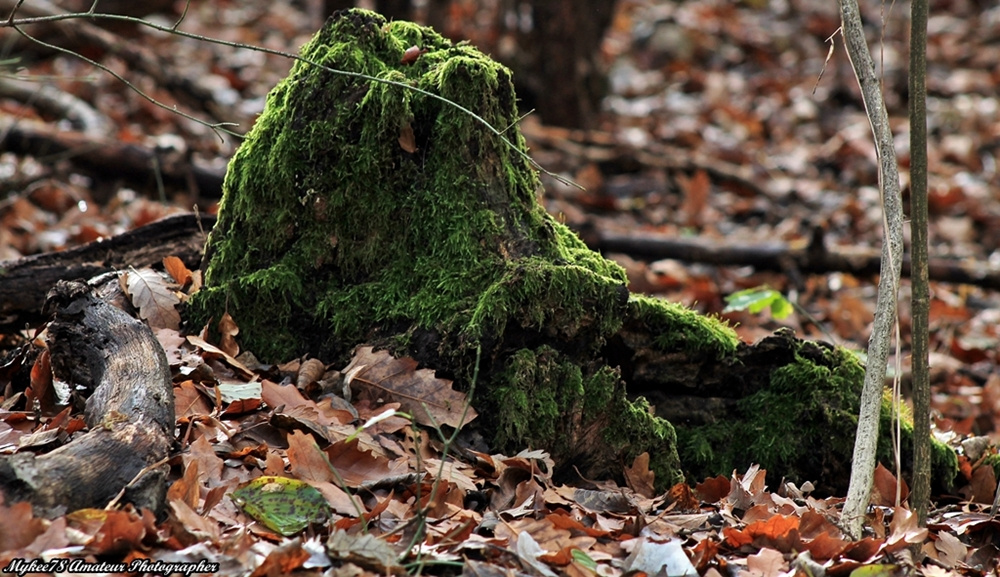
<point x="310" y="371"/>
<point x="407" y="140"/>
<point x="210" y="349"/>
<point x="430" y="400"/>
<point x="696" y="189"/>
<point x="152" y="295"/>
<point x="984" y="484"/>
<point x="227" y="335"/>
<point x="306" y="461"/>
<point x="18" y="526"/>
<point x="356" y="465"/>
<point x="177" y="270"/>
<point x="186" y="488"/>
<point x="884" y="488"/>
<point x="639" y="478"/>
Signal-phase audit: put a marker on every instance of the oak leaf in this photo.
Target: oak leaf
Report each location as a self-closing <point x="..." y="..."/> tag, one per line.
<point x="152" y="295"/>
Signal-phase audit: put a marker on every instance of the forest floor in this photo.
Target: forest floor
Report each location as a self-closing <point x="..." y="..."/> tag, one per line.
<point x="732" y="124"/>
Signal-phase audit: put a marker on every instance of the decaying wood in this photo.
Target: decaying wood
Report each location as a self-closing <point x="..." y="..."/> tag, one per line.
<point x="130" y="412"/>
<point x="24" y="282"/>
<point x="783" y="257"/>
<point x="140" y="165"/>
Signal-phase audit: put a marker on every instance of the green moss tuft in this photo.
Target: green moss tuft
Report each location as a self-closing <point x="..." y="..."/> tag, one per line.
<point x="678" y="328"/>
<point x="803" y="420"/>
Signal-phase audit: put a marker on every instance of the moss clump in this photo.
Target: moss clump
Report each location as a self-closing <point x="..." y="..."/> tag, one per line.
<point x="802" y="424"/>
<point x="333" y="230"/>
<point x="329" y="226"/>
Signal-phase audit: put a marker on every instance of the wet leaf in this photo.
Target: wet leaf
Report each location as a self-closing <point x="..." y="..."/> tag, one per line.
<point x="284" y="505"/>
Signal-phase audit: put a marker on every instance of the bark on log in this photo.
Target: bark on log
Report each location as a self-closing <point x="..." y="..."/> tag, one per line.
<point x="24" y="282"/>
<point x="139" y="165"/>
<point x="130" y="413"/>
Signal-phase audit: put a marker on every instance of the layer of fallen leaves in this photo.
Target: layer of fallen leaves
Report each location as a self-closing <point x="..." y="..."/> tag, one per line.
<point x="305" y="468"/>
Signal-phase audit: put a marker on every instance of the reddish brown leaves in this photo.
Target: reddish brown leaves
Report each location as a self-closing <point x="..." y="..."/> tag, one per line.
<point x="380" y="377"/>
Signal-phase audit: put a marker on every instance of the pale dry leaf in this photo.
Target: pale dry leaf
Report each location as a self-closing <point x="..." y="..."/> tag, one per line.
<point x="766" y="563"/>
<point x="430" y="400"/>
<point x="152" y="295"/>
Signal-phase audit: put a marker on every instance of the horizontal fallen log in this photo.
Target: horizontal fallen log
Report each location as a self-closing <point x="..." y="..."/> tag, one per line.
<point x="24" y="282"/>
<point x="140" y="165"/>
<point x="815" y="258"/>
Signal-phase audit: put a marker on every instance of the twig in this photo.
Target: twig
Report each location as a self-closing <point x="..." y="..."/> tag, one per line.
<point x="863" y="463"/>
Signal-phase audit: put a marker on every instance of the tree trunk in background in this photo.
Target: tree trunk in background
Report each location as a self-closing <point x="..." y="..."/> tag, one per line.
<point x="555" y="53"/>
<point x="562" y="71"/>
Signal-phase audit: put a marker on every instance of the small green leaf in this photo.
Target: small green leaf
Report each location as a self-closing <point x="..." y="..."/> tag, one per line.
<point x="757" y="299"/>
<point x="583" y="559"/>
<point x="283" y="505"/>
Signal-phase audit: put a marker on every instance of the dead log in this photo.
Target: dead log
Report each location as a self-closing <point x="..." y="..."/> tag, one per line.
<point x="141" y="166"/>
<point x="24" y="282"/>
<point x="130" y="412"/>
<point x="816" y="258"/>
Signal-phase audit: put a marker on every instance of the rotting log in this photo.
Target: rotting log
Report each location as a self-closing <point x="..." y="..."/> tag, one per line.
<point x="359" y="211"/>
<point x="25" y="282"/>
<point x="130" y="412"/>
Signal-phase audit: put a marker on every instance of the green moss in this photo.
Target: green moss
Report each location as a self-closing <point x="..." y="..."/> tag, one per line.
<point x="678" y="328"/>
<point x="330" y="234"/>
<point x="541" y="388"/>
<point x="801" y="423"/>
<point x="328" y="226"/>
<point x="640" y="431"/>
<point x="334" y="231"/>
<point x="993" y="461"/>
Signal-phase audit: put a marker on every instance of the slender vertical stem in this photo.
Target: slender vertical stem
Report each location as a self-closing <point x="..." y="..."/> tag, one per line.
<point x="866" y="440"/>
<point x="920" y="300"/>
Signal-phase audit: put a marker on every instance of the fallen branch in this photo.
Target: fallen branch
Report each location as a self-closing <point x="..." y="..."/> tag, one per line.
<point x="130" y="413"/>
<point x="603" y="147"/>
<point x="190" y="91"/>
<point x="815" y="258"/>
<point x="111" y="159"/>
<point x="24" y="282"/>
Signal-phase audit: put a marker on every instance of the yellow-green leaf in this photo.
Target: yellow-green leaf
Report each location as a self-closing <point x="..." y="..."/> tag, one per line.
<point x="283" y="505"/>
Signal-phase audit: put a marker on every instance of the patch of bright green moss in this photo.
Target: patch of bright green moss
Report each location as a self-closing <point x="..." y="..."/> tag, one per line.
<point x="678" y="328"/>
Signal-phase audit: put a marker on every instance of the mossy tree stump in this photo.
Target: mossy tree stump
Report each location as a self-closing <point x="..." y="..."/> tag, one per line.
<point x="364" y="212"/>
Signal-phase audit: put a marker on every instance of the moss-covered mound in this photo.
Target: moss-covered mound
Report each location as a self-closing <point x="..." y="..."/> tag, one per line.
<point x="799" y="421"/>
<point x="361" y="211"/>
